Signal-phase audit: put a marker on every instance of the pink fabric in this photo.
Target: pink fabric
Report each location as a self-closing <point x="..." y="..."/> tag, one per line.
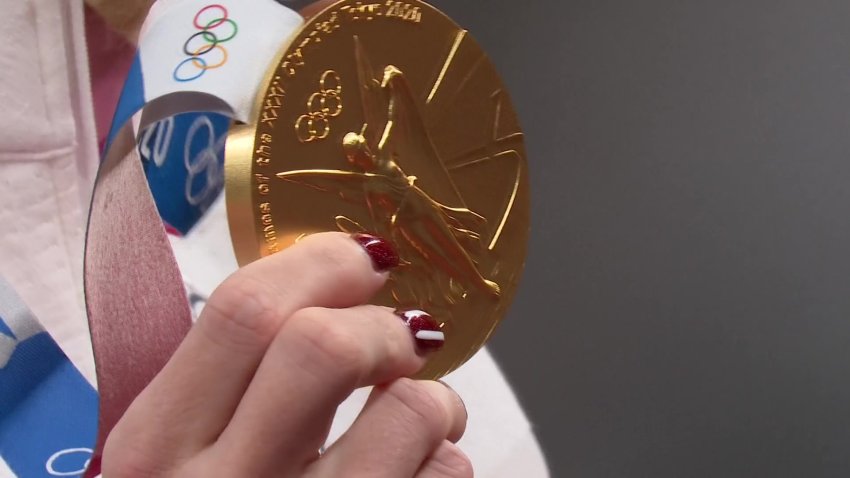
<point x="137" y="306"/>
<point x="110" y="57"/>
<point x="48" y="160"/>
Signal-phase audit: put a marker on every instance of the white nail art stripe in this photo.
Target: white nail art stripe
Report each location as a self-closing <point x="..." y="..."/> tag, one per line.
<point x="430" y="335"/>
<point x="412" y="314"/>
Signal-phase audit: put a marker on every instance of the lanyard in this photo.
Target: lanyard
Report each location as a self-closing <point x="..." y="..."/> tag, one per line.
<point x="48" y="411"/>
<point x="199" y="59"/>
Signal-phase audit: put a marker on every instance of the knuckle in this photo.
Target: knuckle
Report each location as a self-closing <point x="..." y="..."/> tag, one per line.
<point x="421" y="408"/>
<point x="334" y="250"/>
<point x="242" y="310"/>
<point x="395" y="348"/>
<point x="326" y="348"/>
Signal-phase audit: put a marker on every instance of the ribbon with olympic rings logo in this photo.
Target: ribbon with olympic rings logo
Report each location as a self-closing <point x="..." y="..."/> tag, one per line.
<point x="196" y="50"/>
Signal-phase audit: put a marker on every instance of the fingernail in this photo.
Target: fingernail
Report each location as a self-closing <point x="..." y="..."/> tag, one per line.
<point x="424" y="328"/>
<point x="460" y="401"/>
<point x="382" y="253"/>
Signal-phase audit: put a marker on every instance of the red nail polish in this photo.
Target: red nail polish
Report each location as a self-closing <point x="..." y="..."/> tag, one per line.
<point x="424" y="328"/>
<point x="383" y="254"/>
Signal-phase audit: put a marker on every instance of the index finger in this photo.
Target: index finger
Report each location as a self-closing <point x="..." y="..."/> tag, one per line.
<point x="210" y="371"/>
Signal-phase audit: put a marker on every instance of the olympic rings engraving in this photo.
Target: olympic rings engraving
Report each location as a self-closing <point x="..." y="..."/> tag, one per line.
<point x="212" y="32"/>
<point x="321" y="107"/>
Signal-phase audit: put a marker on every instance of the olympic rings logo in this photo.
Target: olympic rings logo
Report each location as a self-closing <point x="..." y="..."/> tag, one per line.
<point x="214" y="28"/>
<point x="321" y="107"/>
<point x="203" y="168"/>
<point x="51" y="465"/>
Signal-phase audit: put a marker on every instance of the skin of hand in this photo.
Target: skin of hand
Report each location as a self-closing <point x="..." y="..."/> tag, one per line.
<point x="253" y="388"/>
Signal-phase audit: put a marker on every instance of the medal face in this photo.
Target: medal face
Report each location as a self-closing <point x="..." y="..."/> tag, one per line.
<point x="388" y="118"/>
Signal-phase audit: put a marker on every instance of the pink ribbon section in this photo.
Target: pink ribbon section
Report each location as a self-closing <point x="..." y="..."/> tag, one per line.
<point x="137" y="305"/>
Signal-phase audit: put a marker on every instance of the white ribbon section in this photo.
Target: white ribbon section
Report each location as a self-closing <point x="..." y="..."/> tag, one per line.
<point x="18" y="318"/>
<point x="222" y="48"/>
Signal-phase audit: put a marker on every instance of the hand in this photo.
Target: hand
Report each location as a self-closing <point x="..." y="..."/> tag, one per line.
<point x="253" y="388"/>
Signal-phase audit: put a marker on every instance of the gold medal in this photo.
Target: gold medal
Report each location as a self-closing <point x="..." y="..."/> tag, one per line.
<point x="388" y="118"/>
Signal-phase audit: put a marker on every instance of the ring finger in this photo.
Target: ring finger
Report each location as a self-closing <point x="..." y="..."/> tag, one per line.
<point x="402" y="425"/>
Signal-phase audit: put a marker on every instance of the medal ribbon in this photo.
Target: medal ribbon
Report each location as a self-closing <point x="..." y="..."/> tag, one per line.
<point x="46" y="405"/>
<point x="194" y="56"/>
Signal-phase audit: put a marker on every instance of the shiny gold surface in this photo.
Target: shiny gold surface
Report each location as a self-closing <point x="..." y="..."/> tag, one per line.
<point x="388" y="118"/>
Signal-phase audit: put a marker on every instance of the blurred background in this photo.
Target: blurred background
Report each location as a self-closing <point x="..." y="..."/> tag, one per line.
<point x="685" y="306"/>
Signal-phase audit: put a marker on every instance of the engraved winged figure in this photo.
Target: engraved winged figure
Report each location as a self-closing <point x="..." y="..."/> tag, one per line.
<point x="442" y="236"/>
